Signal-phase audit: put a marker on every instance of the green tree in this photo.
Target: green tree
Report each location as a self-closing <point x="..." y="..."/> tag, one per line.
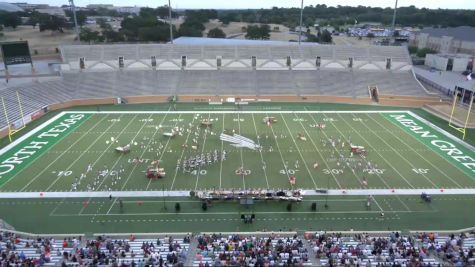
<point x="87" y="35"/>
<point x="10" y="19"/>
<point x="81" y="16"/>
<point x="216" y="33"/>
<point x="52" y="23"/>
<point x="412" y="49"/>
<point x="326" y="37"/>
<point x="255" y="32"/>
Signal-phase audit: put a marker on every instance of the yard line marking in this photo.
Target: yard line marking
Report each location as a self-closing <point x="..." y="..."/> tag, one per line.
<point x="163" y="150"/>
<point x="334" y="148"/>
<point x="221" y="153"/>
<point x="202" y="150"/>
<point x="120" y="156"/>
<point x="369" y="144"/>
<point x="240" y="151"/>
<point x="237" y="213"/>
<point x="62" y="154"/>
<point x="410" y="164"/>
<point x="112" y="205"/>
<point x="143" y="152"/>
<point x="260" y="151"/>
<point x="280" y="153"/>
<point x="424" y="158"/>
<point x="84" y="152"/>
<point x="338" y="151"/>
<point x="300" y="153"/>
<point x="377" y="204"/>
<point x="182" y="153"/>
<point x="381" y="178"/>
<point x="318" y="150"/>
<point x="56" y="207"/>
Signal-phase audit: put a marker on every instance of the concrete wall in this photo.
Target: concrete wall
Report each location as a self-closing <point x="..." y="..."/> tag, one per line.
<point x="435" y="61"/>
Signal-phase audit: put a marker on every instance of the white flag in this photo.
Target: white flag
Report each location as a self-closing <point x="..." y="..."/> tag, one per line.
<point x="469" y="77"/>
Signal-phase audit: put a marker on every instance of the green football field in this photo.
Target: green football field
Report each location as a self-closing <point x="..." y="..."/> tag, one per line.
<point x="54" y="170"/>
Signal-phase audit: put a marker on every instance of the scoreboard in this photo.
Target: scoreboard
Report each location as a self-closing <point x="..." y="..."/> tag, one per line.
<point x="15" y="53"/>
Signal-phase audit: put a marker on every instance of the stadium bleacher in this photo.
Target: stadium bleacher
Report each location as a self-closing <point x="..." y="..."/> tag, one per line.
<point x="144" y="51"/>
<point x="258" y="249"/>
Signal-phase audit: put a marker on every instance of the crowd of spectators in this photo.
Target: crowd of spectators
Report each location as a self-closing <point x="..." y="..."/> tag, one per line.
<point x="105" y="251"/>
<point x="241" y="250"/>
<point x="456" y="250"/>
<point x="366" y="250"/>
<point x="17" y="251"/>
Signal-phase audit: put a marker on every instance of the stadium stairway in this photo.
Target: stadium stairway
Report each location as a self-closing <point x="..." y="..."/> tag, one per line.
<point x="191" y="252"/>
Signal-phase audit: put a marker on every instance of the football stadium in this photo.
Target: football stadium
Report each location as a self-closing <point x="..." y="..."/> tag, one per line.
<point x="236" y="155"/>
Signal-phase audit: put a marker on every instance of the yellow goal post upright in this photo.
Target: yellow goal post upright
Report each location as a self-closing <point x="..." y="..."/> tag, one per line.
<point x="16" y="128"/>
<point x="463" y="129"/>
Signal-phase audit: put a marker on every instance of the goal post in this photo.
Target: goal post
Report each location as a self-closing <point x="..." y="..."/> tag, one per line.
<point x="19" y="124"/>
<point x="453" y="112"/>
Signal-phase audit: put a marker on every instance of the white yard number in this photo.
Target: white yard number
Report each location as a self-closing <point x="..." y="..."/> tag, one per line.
<point x="146" y="120"/>
<point x="64" y="173"/>
<point x="374" y="171"/>
<point x="175" y="120"/>
<point x="201" y="172"/>
<point x="329" y="119"/>
<point x="289" y="171"/>
<point x="357" y="119"/>
<point x="420" y="171"/>
<point x="235" y="119"/>
<point x="332" y="171"/>
<point x="114" y="120"/>
<point x="299" y="119"/>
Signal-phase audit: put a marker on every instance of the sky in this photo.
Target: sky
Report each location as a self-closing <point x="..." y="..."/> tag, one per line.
<point x="240" y="4"/>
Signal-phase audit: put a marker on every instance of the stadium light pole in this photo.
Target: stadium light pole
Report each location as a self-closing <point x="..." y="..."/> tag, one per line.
<point x="73" y="9"/>
<point x="301" y="18"/>
<point x="170" y="20"/>
<point x="393" y="26"/>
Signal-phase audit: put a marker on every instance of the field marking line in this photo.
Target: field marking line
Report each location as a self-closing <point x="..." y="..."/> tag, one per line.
<point x="338" y="151"/>
<point x="112" y="167"/>
<point x="240" y="151"/>
<point x="233" y="111"/>
<point x="118" y="159"/>
<point x="182" y="153"/>
<point x="260" y="152"/>
<point x="31" y="133"/>
<point x="56" y="207"/>
<point x="424" y="158"/>
<point x="164" y="150"/>
<point x="373" y="148"/>
<point x="298" y="149"/>
<point x="112" y="205"/>
<point x="442" y="131"/>
<point x="221" y="163"/>
<point x="87" y="149"/>
<point x="397" y="152"/>
<point x="280" y="153"/>
<point x="202" y="151"/>
<point x="394" y="150"/>
<point x="145" y="149"/>
<point x="61" y="155"/>
<point x="334" y="147"/>
<point x="41" y="154"/>
<point x="377" y="204"/>
<point x="120" y="156"/>
<point x="237" y="213"/>
<point x="318" y="150"/>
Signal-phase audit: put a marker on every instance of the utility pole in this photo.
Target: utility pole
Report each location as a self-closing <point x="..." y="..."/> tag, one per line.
<point x="170" y="21"/>
<point x="393" y="26"/>
<point x="301" y="18"/>
<point x="73" y="9"/>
